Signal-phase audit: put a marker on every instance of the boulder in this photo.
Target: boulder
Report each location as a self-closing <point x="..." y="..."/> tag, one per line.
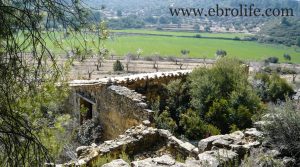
<point x="222" y="143"/>
<point x="82" y="149"/>
<point x="206" y="144"/>
<point x="253" y="132"/>
<point x="217" y="158"/>
<point x="117" y="163"/>
<point x="288" y="161"/>
<point x="163" y="161"/>
<point x="237" y="135"/>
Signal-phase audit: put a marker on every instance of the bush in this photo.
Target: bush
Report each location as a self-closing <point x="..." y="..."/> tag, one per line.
<point x="272" y="88"/>
<point x="194" y="127"/>
<point x="198" y="36"/>
<point x="118" y="66"/>
<point x="287" y="57"/>
<point x="272" y="60"/>
<point x="237" y="38"/>
<point x="282" y="129"/>
<point x="222" y="95"/>
<point x="164" y="121"/>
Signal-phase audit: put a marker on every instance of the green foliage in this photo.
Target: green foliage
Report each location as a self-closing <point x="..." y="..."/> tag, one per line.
<point x="272" y="60"/>
<point x="177" y="98"/>
<point x="287" y="57"/>
<point x="164" y="121"/>
<point x="261" y="159"/>
<point x="118" y="66"/>
<point x="124" y="156"/>
<point x="272" y="88"/>
<point x="103" y="159"/>
<point x="223" y="96"/>
<point x="284" y="31"/>
<point x="282" y="129"/>
<point x="194" y="127"/>
<point x="83" y="110"/>
<point x="221" y="53"/>
<point x="54" y="138"/>
<point x="131" y="21"/>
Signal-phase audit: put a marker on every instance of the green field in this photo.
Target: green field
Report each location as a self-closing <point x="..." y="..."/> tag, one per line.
<point x="199" y="47"/>
<point x="156" y="32"/>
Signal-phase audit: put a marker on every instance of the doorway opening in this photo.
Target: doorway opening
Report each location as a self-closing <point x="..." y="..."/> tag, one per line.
<point x="86" y="110"/>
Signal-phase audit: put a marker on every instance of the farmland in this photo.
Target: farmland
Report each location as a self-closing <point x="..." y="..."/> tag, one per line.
<point x="199" y="47"/>
<point x="155" y="42"/>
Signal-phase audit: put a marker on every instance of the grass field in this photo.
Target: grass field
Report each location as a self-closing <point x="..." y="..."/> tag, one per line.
<point x="199" y="47"/>
<point x="155" y="32"/>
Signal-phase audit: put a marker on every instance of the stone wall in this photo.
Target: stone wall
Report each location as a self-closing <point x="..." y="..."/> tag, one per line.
<point x="159" y="147"/>
<point x="116" y="107"/>
<point x="120" y="102"/>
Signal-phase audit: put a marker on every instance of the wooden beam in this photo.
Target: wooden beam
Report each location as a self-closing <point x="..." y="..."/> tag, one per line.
<point x="86" y="99"/>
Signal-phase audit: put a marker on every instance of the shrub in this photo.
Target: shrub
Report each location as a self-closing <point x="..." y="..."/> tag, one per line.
<point x="221" y="53"/>
<point x="194" y="127"/>
<point x="164" y="121"/>
<point x="287" y="57"/>
<point x="282" y="129"/>
<point x="118" y="66"/>
<point x="272" y="60"/>
<point x="237" y="38"/>
<point x="272" y="88"/>
<point x="222" y="95"/>
<point x="198" y="36"/>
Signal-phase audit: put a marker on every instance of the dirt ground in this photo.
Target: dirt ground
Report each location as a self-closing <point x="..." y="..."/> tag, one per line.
<point x="88" y="70"/>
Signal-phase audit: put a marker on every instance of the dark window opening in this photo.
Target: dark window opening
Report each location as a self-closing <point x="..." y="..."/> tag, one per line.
<point x="86" y="110"/>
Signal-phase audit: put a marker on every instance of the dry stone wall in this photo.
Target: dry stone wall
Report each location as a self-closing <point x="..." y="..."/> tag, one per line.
<point x="116" y="107"/>
<point x="115" y="101"/>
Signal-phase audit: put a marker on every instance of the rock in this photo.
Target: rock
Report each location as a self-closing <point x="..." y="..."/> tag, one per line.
<point x="206" y="144"/>
<point x="192" y="163"/>
<point x="259" y="125"/>
<point x="82" y="149"/>
<point x="143" y="163"/>
<point x="217" y="157"/>
<point x="208" y="159"/>
<point x="146" y="123"/>
<point x="163" y="161"/>
<point x="117" y="163"/>
<point x="89" y="132"/>
<point x="188" y="146"/>
<point x="254" y="144"/>
<point x="237" y="135"/>
<point x="273" y="153"/>
<point x="253" y="132"/>
<point x="288" y="161"/>
<point x="240" y="150"/>
<point x="222" y="143"/>
<point x="164" y="133"/>
<point x="142" y="105"/>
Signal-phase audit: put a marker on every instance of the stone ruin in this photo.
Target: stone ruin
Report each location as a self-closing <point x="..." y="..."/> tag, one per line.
<point x="152" y="147"/>
<point x="127" y="124"/>
<point x="117" y="102"/>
